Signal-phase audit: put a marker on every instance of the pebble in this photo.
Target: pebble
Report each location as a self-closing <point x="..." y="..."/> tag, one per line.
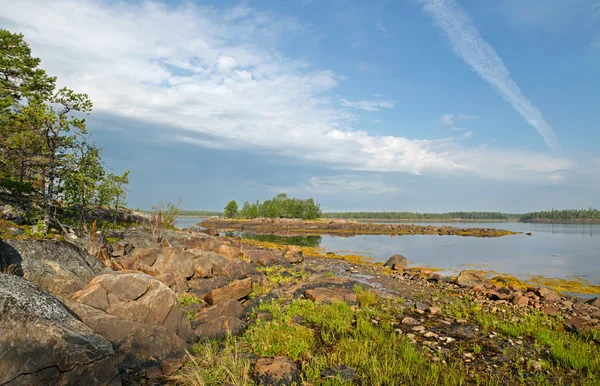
<point x="410" y="321"/>
<point x="418" y="328"/>
<point x="535" y="365"/>
<point x="430" y="334"/>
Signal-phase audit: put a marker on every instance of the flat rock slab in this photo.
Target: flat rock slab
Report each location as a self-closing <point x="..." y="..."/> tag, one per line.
<point x="220" y="327"/>
<point x="43" y="343"/>
<point x="330" y="295"/>
<point x="231" y="308"/>
<point x="139" y="298"/>
<point x="235" y="290"/>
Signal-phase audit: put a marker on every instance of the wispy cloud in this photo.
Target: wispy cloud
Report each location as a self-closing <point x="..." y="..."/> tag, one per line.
<point x="216" y="78"/>
<point x="337" y="184"/>
<point x="468" y="44"/>
<point x="450" y="119"/>
<point x="368" y="105"/>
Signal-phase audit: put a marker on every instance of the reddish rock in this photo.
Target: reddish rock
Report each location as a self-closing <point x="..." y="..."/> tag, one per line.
<point x="278" y="371"/>
<point x="520" y="300"/>
<point x="263" y="257"/>
<point x="576" y="324"/>
<point x="470" y="278"/>
<point x="293" y="255"/>
<point x="495" y="295"/>
<point x="220" y="327"/>
<point x="434" y="310"/>
<point x="234" y="291"/>
<point x="396" y="262"/>
<point x="478" y="288"/>
<point x="136" y="297"/>
<point x="436" y="277"/>
<point x="170" y="366"/>
<point x="549" y="310"/>
<point x="228" y="252"/>
<point x="330" y="295"/>
<point x="594" y="302"/>
<point x="231" y="308"/>
<point x="205" y="262"/>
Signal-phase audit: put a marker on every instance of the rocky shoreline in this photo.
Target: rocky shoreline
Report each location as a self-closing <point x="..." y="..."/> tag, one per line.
<point x="294" y="227"/>
<point x="134" y="311"/>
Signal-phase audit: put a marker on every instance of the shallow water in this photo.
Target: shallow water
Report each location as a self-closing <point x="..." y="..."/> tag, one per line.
<point x="554" y="250"/>
<point x="186" y="222"/>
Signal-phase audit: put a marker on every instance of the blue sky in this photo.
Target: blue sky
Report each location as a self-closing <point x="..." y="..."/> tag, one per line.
<point x="417" y="105"/>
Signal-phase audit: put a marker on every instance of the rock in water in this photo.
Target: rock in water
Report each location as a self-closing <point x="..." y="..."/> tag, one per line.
<point x="396" y="262"/>
<point x="43" y="343"/>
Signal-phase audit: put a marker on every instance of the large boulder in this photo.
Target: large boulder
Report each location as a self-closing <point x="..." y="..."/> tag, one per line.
<point x="59" y="267"/>
<point x="42" y="342"/>
<point x="235" y="290"/>
<point x="208" y="264"/>
<point x="396" y="262"/>
<point x="137" y="346"/>
<point x="139" y="298"/>
<point x="264" y="257"/>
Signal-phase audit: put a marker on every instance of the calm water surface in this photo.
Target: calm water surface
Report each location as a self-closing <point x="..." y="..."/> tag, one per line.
<point x="186" y="222"/>
<point x="554" y="250"/>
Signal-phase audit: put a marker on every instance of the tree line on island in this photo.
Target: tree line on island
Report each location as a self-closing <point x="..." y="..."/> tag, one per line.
<point x="280" y="206"/>
<point x="46" y="152"/>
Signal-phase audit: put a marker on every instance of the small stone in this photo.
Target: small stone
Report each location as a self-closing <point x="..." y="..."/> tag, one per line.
<point x="468" y="355"/>
<point x="410" y="321"/>
<point x="434" y="310"/>
<point x="276" y="371"/>
<point x="430" y="334"/>
<point x="418" y="328"/>
<point x="535" y="365"/>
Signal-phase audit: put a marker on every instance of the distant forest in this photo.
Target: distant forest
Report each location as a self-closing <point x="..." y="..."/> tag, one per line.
<point x="554" y="215"/>
<point x="423" y="216"/>
<point x="561" y="215"/>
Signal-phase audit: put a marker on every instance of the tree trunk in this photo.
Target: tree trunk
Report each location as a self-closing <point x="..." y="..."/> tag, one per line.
<point x="48" y="212"/>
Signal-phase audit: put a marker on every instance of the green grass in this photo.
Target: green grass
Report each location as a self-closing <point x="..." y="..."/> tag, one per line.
<point x="366" y="298"/>
<point x="186" y="299"/>
<point x="319" y="336"/>
<point x="215" y="364"/>
<point x="560" y="349"/>
<point x="565" y="349"/>
<point x="335" y="334"/>
<point x="278" y="274"/>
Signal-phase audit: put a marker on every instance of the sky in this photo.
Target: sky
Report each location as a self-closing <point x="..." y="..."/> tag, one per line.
<point x="373" y="105"/>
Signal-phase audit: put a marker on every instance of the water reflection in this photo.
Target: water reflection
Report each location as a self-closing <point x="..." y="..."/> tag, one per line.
<point x="554" y="250"/>
<point x="301" y="241"/>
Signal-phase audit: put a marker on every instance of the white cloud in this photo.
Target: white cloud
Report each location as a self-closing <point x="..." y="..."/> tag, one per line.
<point x="450" y="119"/>
<point x="226" y="63"/>
<point x="447" y="119"/>
<point x="341" y="184"/>
<point x="468" y="44"/>
<point x="374" y="105"/>
<point x="215" y="79"/>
